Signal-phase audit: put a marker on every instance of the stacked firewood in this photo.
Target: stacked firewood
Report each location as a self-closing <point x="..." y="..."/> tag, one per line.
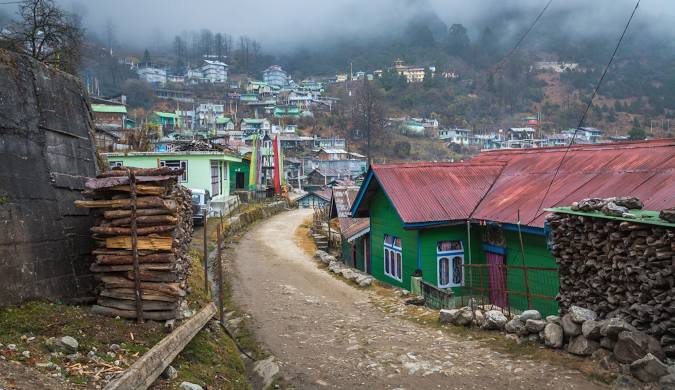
<point x="163" y="227"/>
<point x="617" y="269"/>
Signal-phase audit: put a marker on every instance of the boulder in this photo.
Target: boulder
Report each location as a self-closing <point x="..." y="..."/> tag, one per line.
<point x="319" y="254"/>
<point x="667" y="382"/>
<point x="365" y="282"/>
<point x="632" y="346"/>
<point x="607" y="343"/>
<point x="591" y="329"/>
<point x="529" y="315"/>
<point x="570" y="328"/>
<point x="626" y="382"/>
<point x="669" y="350"/>
<point x="535" y="326"/>
<point x="169" y="373"/>
<point x="613" y="326"/>
<point x="580" y="345"/>
<point x="579" y="314"/>
<point x="448" y="316"/>
<point x="533" y="338"/>
<point x="553" y="319"/>
<point x="479" y="318"/>
<point x="348" y="274"/>
<point x="515" y="326"/>
<point x="614" y="210"/>
<point x="494" y="320"/>
<point x="464" y="317"/>
<point x="629" y="202"/>
<point x="190" y="386"/>
<point x="648" y="369"/>
<point x="67" y="345"/>
<point x="553" y="335"/>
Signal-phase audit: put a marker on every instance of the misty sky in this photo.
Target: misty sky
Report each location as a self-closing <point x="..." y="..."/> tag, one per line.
<point x="281" y="25"/>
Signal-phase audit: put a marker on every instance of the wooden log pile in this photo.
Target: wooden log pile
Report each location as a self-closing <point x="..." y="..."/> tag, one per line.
<point x="617" y="268"/>
<point x="149" y="208"/>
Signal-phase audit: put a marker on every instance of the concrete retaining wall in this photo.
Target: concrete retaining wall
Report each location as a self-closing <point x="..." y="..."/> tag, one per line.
<point x="46" y="151"/>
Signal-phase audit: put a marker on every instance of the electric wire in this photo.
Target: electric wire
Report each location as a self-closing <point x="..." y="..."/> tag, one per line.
<point x="588" y="107"/>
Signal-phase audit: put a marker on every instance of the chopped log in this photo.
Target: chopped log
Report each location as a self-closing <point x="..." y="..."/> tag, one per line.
<point x="142" y="172"/>
<point x="129" y="294"/>
<point x="124" y="304"/>
<point x="142" y="189"/>
<point x="141" y="231"/>
<point x="131" y="314"/>
<point x="165" y="288"/>
<point x="114" y="214"/>
<point x="154" y="276"/>
<point x="115" y="252"/>
<point x="146" y="220"/>
<point x="128" y="259"/>
<point x="145" y="242"/>
<point x="144" y="202"/>
<point x="107" y="182"/>
<point x="128" y="267"/>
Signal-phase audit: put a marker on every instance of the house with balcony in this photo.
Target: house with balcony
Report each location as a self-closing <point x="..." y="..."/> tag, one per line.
<point x="456" y="136"/>
<point x="251" y="126"/>
<point x="155" y="76"/>
<point x="275" y="75"/>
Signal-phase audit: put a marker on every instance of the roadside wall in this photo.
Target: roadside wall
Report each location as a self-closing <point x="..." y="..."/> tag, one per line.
<point x="46" y="151"/>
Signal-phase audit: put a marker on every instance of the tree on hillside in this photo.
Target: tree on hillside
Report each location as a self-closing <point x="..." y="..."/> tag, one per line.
<point x="146" y="58"/>
<point x="47" y="33"/>
<point x="367" y="114"/>
<point x="637" y="132"/>
<point x="457" y="43"/>
<point x="180" y="51"/>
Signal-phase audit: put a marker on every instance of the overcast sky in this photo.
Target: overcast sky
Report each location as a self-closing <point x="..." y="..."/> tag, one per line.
<point x="286" y="24"/>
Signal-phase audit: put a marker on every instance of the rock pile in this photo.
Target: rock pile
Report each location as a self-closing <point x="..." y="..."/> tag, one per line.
<point x="337" y="267"/>
<point x="618" y="269"/>
<point x="164" y="231"/>
<point x="618" y="345"/>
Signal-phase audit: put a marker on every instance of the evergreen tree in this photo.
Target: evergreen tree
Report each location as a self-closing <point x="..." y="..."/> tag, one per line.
<point x="146" y="58"/>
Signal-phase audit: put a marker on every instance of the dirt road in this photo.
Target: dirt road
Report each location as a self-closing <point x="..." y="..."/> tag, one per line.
<point x="328" y="334"/>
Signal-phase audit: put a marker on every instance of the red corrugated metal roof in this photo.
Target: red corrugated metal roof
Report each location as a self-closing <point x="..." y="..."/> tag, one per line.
<point x="497" y="185"/>
<point x="343" y="197"/>
<point x="424" y="192"/>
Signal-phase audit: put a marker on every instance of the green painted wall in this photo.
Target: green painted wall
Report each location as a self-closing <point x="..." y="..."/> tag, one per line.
<point x="199" y="168"/>
<point x="346" y="250"/>
<point x="385" y="220"/>
<point x="243" y="166"/>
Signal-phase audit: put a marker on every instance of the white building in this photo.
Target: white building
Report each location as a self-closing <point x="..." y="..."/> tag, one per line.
<point x="214" y="71"/>
<point x="555" y="66"/>
<point x="276" y="76"/>
<point x="155" y="76"/>
<point x="456" y="135"/>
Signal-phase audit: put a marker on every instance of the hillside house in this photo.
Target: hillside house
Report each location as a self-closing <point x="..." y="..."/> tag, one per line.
<point x="167" y="121"/>
<point x="214" y="71"/>
<point x="254" y="126"/>
<point x="155" y="76"/>
<point x="224" y="123"/>
<point x="354" y="232"/>
<point x="490" y="221"/>
<point x="314" y="199"/>
<point x="456" y="135"/>
<point x="207" y="170"/>
<point x="322" y="177"/>
<point x="412" y="74"/>
<point x="275" y="75"/>
<point x="585" y="134"/>
<point x="239" y="173"/>
<point x="332" y="142"/>
<point x="110" y="116"/>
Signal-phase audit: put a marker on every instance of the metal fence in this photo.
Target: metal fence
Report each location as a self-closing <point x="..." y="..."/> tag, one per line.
<point x="509" y="288"/>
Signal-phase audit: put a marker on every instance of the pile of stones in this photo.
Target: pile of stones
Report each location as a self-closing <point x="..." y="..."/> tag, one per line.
<point x="337" y="267"/>
<point x="615" y="343"/>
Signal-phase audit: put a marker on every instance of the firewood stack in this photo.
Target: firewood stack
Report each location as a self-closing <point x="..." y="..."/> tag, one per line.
<point x="163" y="230"/>
<point x="618" y="269"/>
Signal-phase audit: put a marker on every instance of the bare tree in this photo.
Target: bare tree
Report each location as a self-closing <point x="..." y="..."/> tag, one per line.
<point x="48" y="34"/>
<point x="367" y="114"/>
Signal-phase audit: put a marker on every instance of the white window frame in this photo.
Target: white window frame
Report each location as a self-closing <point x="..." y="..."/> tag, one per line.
<point x="114" y="164"/>
<point x="393" y="258"/>
<point x="215" y="190"/>
<point x="450" y="255"/>
<point x="181" y="164"/>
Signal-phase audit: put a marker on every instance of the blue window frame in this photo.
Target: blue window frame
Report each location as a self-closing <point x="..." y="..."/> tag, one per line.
<point x="393" y="257"/>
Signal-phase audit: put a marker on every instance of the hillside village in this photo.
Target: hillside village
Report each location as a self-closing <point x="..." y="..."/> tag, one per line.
<point x="211" y="217"/>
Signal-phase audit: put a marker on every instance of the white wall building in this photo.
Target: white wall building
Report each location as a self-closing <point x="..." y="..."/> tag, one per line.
<point x="457" y="136"/>
<point x="214" y="71"/>
<point x="155" y="76"/>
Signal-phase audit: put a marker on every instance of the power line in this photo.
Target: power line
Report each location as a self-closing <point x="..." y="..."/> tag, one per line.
<point x="588" y="107"/>
<point x="522" y="38"/>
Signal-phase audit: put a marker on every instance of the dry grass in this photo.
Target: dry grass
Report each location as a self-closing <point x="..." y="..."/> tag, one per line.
<point x="304" y="239"/>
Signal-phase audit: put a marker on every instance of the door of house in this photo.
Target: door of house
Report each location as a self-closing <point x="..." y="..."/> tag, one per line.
<point x="239" y="180"/>
<point x="497" y="279"/>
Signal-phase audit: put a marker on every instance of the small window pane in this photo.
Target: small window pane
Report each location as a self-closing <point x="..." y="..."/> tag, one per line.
<point x="457" y="270"/>
<point x="398" y="265"/>
<point x="444" y="271"/>
<point x="446" y="246"/>
<point x="386" y="261"/>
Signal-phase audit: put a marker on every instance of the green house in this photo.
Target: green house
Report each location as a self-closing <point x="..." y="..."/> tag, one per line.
<point x="167" y="121"/>
<point x="239" y="173"/>
<point x="207" y="170"/>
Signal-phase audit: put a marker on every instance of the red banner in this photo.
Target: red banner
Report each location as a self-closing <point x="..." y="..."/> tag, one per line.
<point x="277" y="174"/>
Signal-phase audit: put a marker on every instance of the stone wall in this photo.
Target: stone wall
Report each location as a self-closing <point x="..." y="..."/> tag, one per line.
<point x="46" y="151"/>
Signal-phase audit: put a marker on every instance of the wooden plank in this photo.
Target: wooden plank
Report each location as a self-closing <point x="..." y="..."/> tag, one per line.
<point x="174" y="289"/>
<point x="166" y="219"/>
<point x="142" y="172"/>
<point x="115" y="214"/>
<point x="143" y="373"/>
<point x="129" y="267"/>
<point x="154" y="276"/>
<point x="124" y="203"/>
<point x="131" y="314"/>
<point x="128" y="293"/>
<point x="124" y="304"/>
<point x="129" y="259"/>
<point x="145" y="242"/>
<point x="141" y="231"/>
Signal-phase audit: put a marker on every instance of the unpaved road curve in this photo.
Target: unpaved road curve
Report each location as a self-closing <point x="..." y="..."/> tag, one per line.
<point x="328" y="334"/>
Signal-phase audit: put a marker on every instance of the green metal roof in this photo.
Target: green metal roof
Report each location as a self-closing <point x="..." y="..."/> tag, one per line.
<point x="252" y="120"/>
<point x="170" y="115"/>
<point x="109" y="108"/>
<point x="221" y="120"/>
<point x="642" y="216"/>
